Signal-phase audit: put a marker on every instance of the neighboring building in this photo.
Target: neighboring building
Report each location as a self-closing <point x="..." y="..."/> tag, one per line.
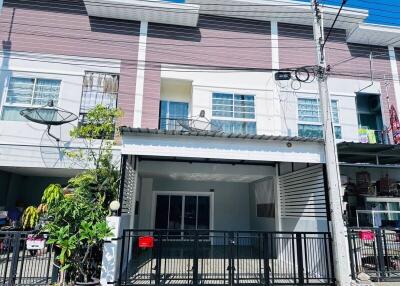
<point x="205" y="126"/>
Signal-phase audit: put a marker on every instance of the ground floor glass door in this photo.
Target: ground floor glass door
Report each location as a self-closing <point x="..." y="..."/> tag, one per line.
<point x="182" y="212"/>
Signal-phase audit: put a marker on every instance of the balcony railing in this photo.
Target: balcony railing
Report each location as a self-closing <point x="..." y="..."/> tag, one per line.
<point x="373" y="136"/>
<point x="187" y="124"/>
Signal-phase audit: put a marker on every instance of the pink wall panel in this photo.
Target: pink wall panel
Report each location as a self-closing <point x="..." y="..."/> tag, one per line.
<point x="63" y="28"/>
<point x="297" y="48"/>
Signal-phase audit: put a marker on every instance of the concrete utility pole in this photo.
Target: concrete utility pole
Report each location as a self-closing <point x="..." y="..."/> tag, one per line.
<point x="338" y="228"/>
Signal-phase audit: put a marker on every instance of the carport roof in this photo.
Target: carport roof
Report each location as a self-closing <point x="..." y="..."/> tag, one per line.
<point x="129" y="130"/>
<point x="376" y="154"/>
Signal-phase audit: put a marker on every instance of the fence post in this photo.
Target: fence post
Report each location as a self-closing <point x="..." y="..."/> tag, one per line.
<point x="386" y="253"/>
<point x="158" y="259"/>
<point x="351" y="249"/>
<point x="231" y="265"/>
<point x="195" y="258"/>
<point x="379" y="246"/>
<point x="300" y="266"/>
<point x="121" y="266"/>
<point x="266" y="257"/>
<point x="14" y="262"/>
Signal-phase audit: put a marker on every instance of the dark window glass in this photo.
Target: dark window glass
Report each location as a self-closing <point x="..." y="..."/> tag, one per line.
<point x="162" y="212"/>
<point x="175" y="214"/>
<point x="190" y="212"/>
<point x="203" y="216"/>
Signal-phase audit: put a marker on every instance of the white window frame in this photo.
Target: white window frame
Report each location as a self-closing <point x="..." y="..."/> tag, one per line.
<point x="183" y="195"/>
<point x="299" y="122"/>
<point x="31" y="76"/>
<point x="233" y="112"/>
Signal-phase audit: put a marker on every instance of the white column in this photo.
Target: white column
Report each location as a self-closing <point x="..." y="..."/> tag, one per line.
<point x="276" y="113"/>
<point x="111" y="249"/>
<point x="395" y="75"/>
<point x="111" y="261"/>
<point x="141" y="64"/>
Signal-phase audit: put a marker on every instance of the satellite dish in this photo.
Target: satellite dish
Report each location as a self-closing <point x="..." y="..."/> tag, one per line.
<point x="49" y="115"/>
<point x="198" y="124"/>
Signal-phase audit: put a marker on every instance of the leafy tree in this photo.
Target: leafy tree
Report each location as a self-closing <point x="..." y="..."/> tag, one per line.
<point x="76" y="216"/>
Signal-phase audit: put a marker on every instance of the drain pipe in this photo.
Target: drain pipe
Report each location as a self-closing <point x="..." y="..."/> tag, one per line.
<point x="371" y="73"/>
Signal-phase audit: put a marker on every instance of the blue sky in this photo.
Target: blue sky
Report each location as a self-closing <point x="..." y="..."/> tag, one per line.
<point x="385" y="12"/>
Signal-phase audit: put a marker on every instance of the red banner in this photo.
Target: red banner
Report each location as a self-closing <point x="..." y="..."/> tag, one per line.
<point x="366" y="235"/>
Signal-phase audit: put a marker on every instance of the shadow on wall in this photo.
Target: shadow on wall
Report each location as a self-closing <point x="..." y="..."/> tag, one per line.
<point x="363" y="51"/>
<point x="60" y="6"/>
<point x="194" y="34"/>
<point x="114" y="26"/>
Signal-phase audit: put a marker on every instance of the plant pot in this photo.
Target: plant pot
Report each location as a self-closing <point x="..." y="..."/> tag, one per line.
<point x="94" y="282"/>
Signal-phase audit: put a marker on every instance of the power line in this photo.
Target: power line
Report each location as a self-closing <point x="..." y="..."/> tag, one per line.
<point x="333" y="24"/>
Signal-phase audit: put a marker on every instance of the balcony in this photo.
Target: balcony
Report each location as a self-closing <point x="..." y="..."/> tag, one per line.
<point x="187" y="124"/>
<point x="203" y="124"/>
<point x="371" y="136"/>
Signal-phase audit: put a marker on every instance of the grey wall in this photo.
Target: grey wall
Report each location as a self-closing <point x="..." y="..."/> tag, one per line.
<point x="258" y="223"/>
<point x="304" y="224"/>
<point x="231" y="201"/>
<point x="27" y="190"/>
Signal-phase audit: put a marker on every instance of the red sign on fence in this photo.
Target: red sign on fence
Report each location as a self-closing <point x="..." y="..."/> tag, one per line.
<point x="146" y="242"/>
<point x="366" y="235"/>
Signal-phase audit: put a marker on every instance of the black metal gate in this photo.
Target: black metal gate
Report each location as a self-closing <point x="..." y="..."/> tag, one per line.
<point x="205" y="257"/>
<point x="22" y="266"/>
<point x="376" y="252"/>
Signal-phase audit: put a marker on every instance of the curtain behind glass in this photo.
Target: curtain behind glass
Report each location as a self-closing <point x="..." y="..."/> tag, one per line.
<point x="172" y="113"/>
<point x="20" y="90"/>
<point x="46" y="90"/>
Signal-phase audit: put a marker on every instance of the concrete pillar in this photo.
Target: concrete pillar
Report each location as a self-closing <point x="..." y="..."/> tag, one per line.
<point x="110" y="266"/>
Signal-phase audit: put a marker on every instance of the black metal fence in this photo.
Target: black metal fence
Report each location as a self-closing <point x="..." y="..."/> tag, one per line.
<point x="375" y="252"/>
<point x="23" y="261"/>
<point x="225" y="258"/>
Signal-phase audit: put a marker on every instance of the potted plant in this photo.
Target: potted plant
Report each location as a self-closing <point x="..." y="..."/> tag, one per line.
<point x="76" y="215"/>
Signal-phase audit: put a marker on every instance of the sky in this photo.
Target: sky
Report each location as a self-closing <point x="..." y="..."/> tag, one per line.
<point x="384" y="12"/>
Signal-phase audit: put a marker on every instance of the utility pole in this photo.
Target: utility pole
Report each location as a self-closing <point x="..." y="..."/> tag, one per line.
<point x="337" y="227"/>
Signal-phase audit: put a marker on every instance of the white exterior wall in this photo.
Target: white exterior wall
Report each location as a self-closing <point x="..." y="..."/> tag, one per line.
<point x="176" y="90"/>
<point x="273" y="116"/>
<point x="342" y="90"/>
<point x="27" y="144"/>
<point x="259" y="84"/>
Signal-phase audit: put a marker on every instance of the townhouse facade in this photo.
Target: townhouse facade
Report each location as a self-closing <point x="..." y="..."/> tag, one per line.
<point x="209" y="139"/>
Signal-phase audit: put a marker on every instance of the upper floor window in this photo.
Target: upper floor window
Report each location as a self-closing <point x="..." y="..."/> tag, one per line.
<point x="309" y="118"/>
<point x="98" y="88"/>
<point x="24" y="92"/>
<point x="172" y="113"/>
<point x="233" y="113"/>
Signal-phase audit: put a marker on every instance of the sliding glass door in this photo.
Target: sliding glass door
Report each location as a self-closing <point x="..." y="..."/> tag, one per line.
<point x="182" y="212"/>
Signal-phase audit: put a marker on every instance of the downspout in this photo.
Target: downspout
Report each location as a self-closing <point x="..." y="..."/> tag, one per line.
<point x="371" y="73"/>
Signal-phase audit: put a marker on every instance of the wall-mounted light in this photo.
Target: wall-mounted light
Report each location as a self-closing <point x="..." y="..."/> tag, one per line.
<point x="289" y="144"/>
